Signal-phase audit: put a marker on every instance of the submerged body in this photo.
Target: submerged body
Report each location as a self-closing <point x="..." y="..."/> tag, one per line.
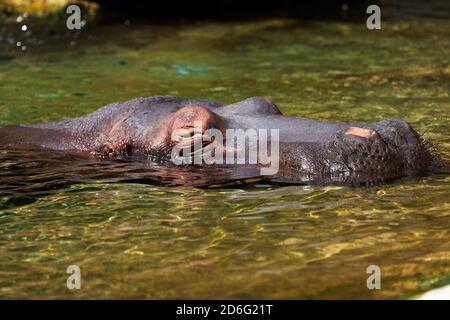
<point x="310" y="151"/>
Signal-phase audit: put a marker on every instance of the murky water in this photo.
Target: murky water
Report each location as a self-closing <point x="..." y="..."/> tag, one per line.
<point x="155" y="240"/>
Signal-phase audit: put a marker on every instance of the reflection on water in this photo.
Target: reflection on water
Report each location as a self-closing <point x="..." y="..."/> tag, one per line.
<point x="27" y="174"/>
<point x="136" y="235"/>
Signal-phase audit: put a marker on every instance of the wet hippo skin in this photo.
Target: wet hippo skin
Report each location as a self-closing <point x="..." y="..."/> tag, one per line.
<point x="310" y="151"/>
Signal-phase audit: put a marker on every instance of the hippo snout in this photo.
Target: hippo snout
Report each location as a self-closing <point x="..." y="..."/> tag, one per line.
<point x="387" y="150"/>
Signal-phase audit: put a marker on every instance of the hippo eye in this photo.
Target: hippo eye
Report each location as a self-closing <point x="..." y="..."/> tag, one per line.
<point x="191" y="131"/>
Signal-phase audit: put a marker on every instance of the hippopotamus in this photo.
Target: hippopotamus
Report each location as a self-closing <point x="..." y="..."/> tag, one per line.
<point x="307" y="151"/>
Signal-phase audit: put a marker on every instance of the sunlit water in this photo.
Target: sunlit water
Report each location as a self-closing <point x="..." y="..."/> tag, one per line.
<point x="145" y="238"/>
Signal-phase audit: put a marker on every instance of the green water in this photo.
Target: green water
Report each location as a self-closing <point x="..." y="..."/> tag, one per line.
<point x="135" y="240"/>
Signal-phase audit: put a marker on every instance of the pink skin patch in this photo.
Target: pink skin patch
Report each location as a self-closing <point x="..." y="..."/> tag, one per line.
<point x="360" y="132"/>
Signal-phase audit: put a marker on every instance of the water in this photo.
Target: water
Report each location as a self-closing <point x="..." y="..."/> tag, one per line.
<point x="150" y="238"/>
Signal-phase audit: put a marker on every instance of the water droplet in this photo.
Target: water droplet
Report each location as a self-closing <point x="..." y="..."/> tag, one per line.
<point x="19" y="19"/>
<point x="24" y="48"/>
<point x="24" y="27"/>
<point x="19" y="44"/>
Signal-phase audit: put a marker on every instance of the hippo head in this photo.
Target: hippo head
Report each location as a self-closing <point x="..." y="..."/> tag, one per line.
<point x="309" y="151"/>
<point x="248" y="139"/>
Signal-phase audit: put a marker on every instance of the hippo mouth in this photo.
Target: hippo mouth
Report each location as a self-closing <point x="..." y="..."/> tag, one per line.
<point x="364" y="160"/>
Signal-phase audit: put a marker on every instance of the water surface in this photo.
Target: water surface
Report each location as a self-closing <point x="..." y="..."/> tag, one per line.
<point x="136" y="238"/>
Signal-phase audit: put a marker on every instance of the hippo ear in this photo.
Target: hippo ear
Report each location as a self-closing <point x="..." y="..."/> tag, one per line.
<point x="254" y="105"/>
